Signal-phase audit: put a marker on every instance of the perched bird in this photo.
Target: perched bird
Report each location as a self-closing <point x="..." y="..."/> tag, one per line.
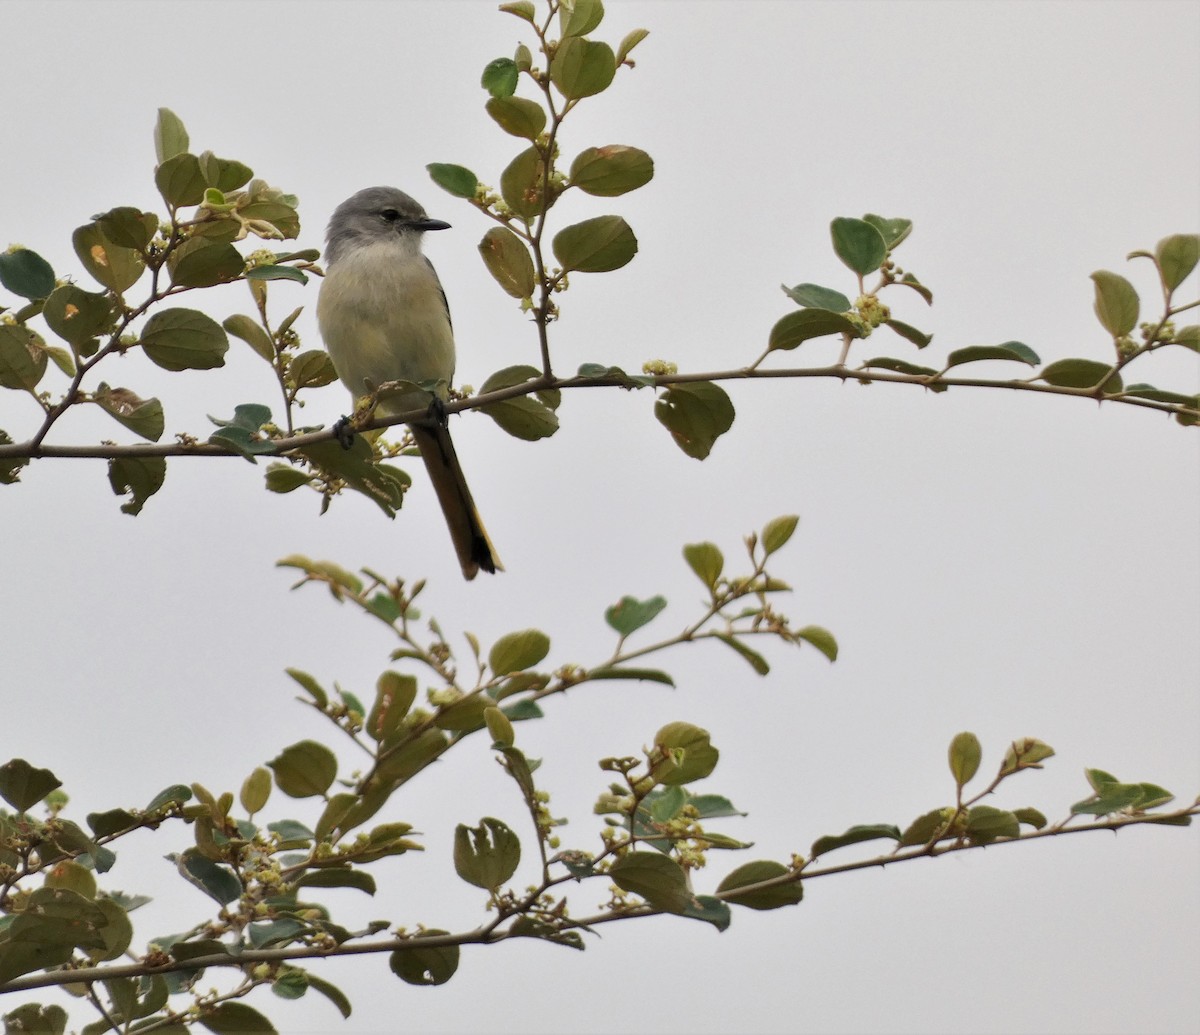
<point x="383" y="316"/>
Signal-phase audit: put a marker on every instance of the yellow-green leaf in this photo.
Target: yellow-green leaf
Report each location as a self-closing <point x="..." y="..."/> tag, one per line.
<point x="595" y="245"/>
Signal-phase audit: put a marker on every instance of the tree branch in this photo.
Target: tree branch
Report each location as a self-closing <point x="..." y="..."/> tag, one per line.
<point x="35" y="450"/>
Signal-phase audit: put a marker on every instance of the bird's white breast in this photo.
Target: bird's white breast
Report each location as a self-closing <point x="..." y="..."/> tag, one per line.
<point x="383" y="318"/>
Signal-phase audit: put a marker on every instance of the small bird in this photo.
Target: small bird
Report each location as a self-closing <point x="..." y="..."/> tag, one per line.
<point x="383" y="316"/>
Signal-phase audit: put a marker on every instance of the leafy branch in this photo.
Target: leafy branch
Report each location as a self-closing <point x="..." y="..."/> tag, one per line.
<point x="189" y="252"/>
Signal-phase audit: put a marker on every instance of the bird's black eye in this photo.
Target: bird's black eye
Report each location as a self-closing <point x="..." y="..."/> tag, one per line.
<point x="390" y="215"/>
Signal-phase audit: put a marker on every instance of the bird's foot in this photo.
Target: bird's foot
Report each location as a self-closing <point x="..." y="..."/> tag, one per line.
<point x="343" y="432"/>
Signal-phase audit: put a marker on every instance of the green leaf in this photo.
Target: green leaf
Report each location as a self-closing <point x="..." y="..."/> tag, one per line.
<point x="986" y="824"/>
<point x="855" y="835"/>
<point x="425" y="965"/>
<point x="531" y="927"/>
<point x="1153" y="796"/>
<point x="338" y="877"/>
<point x="1110" y="798"/>
<point x="757" y="661"/>
<point x="500" y="724"/>
<point x="712" y="806"/>
<point x="909" y="333"/>
<point x="141" y="477"/>
<point x="799" y="327"/>
<point x="690" y="754"/>
<point x="629" y="614"/>
<point x="128" y="227"/>
<point x="22" y="358"/>
<point x="331" y="992"/>
<point x="454" y="179"/>
<point x="170" y="138"/>
<point x="246" y="416"/>
<point x="218" y="882"/>
<point x="523" y="418"/>
<point x="1176" y="257"/>
<point x="1010" y="350"/>
<point x="579" y="17"/>
<point x="304" y="770"/>
<point x="310" y="685"/>
<point x="1116" y="303"/>
<point x="596" y="245"/>
<point x="858" y="244"/>
<point x="486" y="855"/>
<point x="500" y="77"/>
<point x="777" y="532"/>
<point x="176" y="794"/>
<point x="696" y="414"/>
<point x="223" y="174"/>
<point x="383" y="484"/>
<point x="180" y="181"/>
<point x="522" y="185"/>
<point x="706" y="560"/>
<point x="622" y="379"/>
<point x="710" y="910"/>
<point x="1143" y="391"/>
<point x="394" y="696"/>
<point x="291" y="832"/>
<point x="143" y="417"/>
<point x="200" y="263"/>
<point x="764" y="898"/>
<point x="232" y="1018"/>
<point x="1025" y="753"/>
<point x="964" y="755"/>
<point x="820" y="638"/>
<point x="908" y="280"/>
<point x="311" y="369"/>
<point x="23" y="785"/>
<point x="517" y="115"/>
<point x="1081" y="373"/>
<point x="655" y="877"/>
<point x="17" y="958"/>
<point x="275" y="271"/>
<point x="289" y="982"/>
<point x="607" y="172"/>
<point x="109" y="264"/>
<point x="517" y="651"/>
<point x="582" y="68"/>
<point x="35" y="1019"/>
<point x="924" y="828"/>
<point x="523" y="9"/>
<point x="109" y="822"/>
<point x="256" y="789"/>
<point x="893" y="231"/>
<point x="902" y="366"/>
<point x="25" y="273"/>
<point x="184" y="339"/>
<point x="117" y="933"/>
<point x="507" y="259"/>
<point x="1031" y="817"/>
<point x="652" y="675"/>
<point x="62" y="359"/>
<point x="77" y="316"/>
<point x="631" y="40"/>
<point x="465" y="715"/>
<point x="813" y="296"/>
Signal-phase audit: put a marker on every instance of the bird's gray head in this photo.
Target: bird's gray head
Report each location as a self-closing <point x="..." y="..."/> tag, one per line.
<point x="372" y="215"/>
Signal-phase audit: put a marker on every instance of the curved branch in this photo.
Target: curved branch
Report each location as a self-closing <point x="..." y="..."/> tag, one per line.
<point x="36" y="450"/>
<point x="487" y="934"/>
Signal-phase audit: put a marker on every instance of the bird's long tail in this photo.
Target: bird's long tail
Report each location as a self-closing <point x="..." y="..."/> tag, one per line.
<point x="470" y="538"/>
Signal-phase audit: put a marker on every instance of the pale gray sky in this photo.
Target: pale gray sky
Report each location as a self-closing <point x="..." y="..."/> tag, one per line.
<point x="1009" y="564"/>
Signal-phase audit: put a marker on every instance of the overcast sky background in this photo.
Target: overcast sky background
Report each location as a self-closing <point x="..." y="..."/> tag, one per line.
<point x="1015" y="565"/>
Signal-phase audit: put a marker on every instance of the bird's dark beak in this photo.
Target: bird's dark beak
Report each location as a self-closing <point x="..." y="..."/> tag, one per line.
<point x="430" y="224"/>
